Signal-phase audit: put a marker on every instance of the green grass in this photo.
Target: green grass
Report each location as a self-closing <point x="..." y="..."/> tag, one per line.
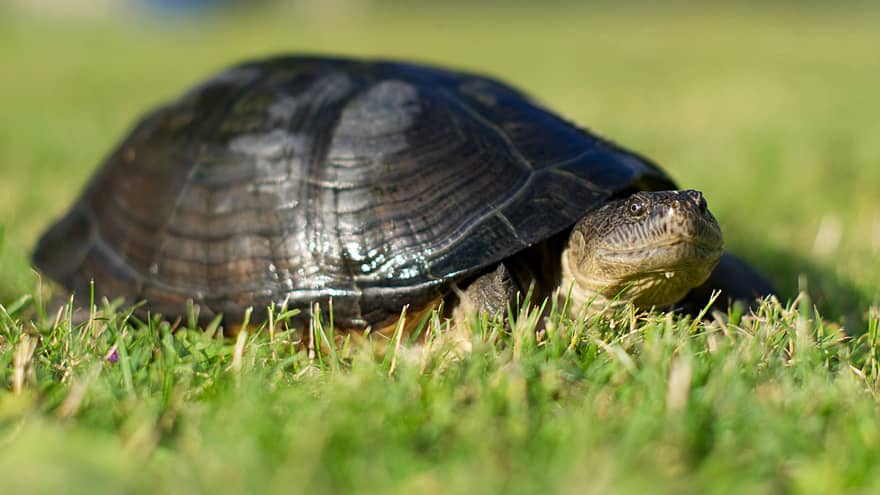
<point x="771" y="112"/>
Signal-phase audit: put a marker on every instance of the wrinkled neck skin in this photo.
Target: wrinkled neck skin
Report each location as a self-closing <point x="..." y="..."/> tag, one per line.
<point x="584" y="292"/>
<point x="648" y="250"/>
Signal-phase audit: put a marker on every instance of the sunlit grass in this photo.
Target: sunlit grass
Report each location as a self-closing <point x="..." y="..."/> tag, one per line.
<point x="777" y="401"/>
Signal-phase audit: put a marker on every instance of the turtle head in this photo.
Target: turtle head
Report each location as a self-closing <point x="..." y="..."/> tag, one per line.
<point x="650" y="248"/>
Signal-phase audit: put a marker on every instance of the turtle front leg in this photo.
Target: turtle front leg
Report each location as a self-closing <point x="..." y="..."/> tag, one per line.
<point x="490" y="293"/>
<point x="737" y="282"/>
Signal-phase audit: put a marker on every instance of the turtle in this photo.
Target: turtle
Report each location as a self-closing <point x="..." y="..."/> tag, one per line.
<point x="378" y="184"/>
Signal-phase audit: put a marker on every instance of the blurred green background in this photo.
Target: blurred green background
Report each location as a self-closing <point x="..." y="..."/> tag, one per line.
<point x="770" y="109"/>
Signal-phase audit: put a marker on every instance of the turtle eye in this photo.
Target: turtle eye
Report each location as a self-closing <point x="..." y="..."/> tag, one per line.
<point x="636" y="208"/>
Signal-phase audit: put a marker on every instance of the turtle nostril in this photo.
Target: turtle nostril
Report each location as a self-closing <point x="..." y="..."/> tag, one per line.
<point x="698" y="199"/>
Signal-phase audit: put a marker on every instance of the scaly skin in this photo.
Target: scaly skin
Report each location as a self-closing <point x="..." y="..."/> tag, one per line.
<point x="649" y="249"/>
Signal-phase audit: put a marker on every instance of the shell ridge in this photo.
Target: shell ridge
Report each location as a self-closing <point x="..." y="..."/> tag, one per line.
<point x="324" y="119"/>
<point x="494" y="211"/>
<point x="577" y="178"/>
<point x="163" y="231"/>
<point x="356" y="291"/>
<point x="101" y="244"/>
<point x="522" y="159"/>
<point x="507" y="223"/>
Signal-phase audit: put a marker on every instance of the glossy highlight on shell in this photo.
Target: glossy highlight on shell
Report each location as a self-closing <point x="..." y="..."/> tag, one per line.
<point x="297" y="179"/>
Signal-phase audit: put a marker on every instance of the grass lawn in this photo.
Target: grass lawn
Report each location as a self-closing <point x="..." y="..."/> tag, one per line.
<point x="771" y="111"/>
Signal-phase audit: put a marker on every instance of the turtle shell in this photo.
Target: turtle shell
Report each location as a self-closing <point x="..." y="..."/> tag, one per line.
<point x="296" y="179"/>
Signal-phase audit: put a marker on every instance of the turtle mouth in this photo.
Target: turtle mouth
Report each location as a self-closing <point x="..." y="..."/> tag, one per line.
<point x="680" y="251"/>
<point x="660" y="273"/>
